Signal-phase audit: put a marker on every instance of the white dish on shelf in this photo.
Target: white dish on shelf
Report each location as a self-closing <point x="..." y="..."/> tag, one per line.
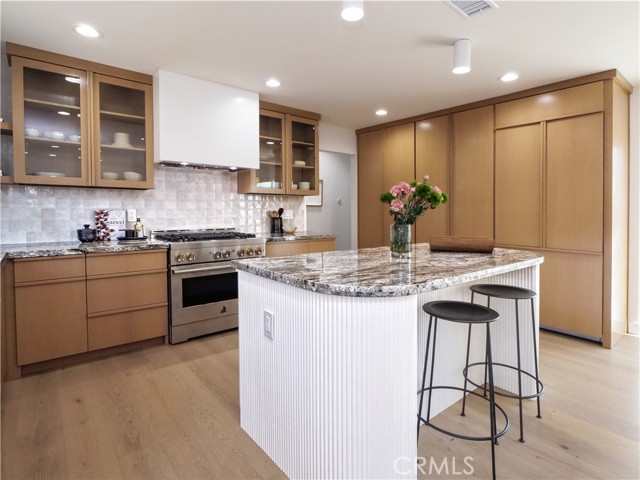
<point x="268" y="184"/>
<point x="56" y="135"/>
<point x="110" y="175"/>
<point x="132" y="176"/>
<point x="294" y="186"/>
<point x="300" y="163"/>
<point x="73" y="138"/>
<point x="121" y="139"/>
<point x="49" y="174"/>
<point x="304" y="185"/>
<point x="32" y="132"/>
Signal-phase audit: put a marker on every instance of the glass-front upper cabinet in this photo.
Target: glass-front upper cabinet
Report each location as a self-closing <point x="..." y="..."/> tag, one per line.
<point x="123" y="133"/>
<point x="271" y="176"/>
<point x="304" y="153"/>
<point x="50" y="124"/>
<point x="288" y="156"/>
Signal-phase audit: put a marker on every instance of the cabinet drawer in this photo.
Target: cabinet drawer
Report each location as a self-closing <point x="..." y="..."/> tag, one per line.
<point x="118" y="329"/>
<point x="126" y="262"/>
<point x="55" y="268"/>
<point x="281" y="249"/>
<point x="322" y="246"/>
<point x="105" y="294"/>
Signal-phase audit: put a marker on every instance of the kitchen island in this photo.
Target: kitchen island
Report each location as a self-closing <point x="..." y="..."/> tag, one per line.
<point x="328" y="382"/>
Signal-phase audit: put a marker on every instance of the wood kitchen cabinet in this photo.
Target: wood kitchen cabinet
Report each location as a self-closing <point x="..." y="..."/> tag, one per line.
<point x="288" y="153"/>
<point x="127" y="298"/>
<point x="296" y="247"/>
<point x="50" y="308"/>
<point x="370" y="186"/>
<point x="61" y="310"/>
<point x="79" y="123"/>
<point x="472" y="173"/>
<point x="518" y="189"/>
<point x="546" y="169"/>
<point x="385" y="157"/>
<point x="6" y="152"/>
<point x="432" y="158"/>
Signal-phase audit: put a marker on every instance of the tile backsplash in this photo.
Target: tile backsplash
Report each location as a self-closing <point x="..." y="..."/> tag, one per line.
<point x="182" y="198"/>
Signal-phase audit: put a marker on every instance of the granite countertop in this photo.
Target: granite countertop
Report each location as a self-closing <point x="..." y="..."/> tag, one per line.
<point x="372" y="273"/>
<point x="57" y="249"/>
<point x="288" y="237"/>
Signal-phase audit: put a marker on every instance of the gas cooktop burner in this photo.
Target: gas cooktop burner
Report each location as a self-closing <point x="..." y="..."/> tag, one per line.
<point x="200" y="236"/>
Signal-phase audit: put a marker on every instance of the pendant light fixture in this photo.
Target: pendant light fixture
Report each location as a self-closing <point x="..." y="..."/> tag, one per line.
<point x="462" y="56"/>
<point x="352" y="10"/>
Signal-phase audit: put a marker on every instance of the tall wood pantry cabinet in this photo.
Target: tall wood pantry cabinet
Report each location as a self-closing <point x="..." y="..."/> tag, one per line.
<point x="545" y="170"/>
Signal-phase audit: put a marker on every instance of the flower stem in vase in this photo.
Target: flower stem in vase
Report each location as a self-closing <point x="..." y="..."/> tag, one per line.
<point x="400" y="240"/>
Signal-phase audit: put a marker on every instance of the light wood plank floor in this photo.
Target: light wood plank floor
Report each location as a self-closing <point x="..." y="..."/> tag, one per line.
<point x="172" y="412"/>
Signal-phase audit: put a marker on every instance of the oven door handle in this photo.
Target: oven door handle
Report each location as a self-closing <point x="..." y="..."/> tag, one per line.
<point x="179" y="271"/>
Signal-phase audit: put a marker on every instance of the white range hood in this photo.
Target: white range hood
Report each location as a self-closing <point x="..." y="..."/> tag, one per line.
<point x="204" y="123"/>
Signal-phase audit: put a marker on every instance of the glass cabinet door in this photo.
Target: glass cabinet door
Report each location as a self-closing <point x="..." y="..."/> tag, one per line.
<point x="122" y="133"/>
<point x="304" y="153"/>
<point x="270" y="175"/>
<point x="50" y="124"/>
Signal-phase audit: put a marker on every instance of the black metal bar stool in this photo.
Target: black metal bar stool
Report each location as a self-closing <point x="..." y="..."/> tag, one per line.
<point x="510" y="293"/>
<point x="461" y="312"/>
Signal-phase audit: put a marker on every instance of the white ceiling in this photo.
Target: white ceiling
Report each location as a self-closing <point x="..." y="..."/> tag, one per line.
<point x="398" y="57"/>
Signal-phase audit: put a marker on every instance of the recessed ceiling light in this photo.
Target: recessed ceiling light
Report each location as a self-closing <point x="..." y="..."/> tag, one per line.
<point x="72" y="79"/>
<point x="233" y="168"/>
<point x="272" y="82"/>
<point x="184" y="164"/>
<point x="87" y="30"/>
<point x="352" y="10"/>
<point x="62" y="112"/>
<point x="509" y="77"/>
<point x="381" y="112"/>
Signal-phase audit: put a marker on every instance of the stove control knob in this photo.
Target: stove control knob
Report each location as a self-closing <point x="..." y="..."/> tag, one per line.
<point x="191" y="256"/>
<point x="240" y="252"/>
<point x="217" y="255"/>
<point x="179" y="257"/>
<point x="226" y="254"/>
<point x="249" y="252"/>
<point x="258" y="251"/>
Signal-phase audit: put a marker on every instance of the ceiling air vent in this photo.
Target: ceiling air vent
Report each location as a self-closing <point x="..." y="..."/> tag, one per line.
<point x="470" y="8"/>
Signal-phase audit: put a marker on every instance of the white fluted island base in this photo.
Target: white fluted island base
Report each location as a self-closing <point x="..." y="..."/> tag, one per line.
<point x="333" y="394"/>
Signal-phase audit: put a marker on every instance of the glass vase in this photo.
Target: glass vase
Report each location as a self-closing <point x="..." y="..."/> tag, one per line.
<point x="400" y="240"/>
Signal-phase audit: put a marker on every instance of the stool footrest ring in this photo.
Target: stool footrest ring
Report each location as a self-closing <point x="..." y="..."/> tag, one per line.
<point x="457" y="435"/>
<point x="539" y="386"/>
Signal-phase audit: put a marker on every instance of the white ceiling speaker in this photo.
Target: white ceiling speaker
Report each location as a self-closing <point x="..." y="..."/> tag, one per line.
<point x="462" y="56"/>
<point x="352" y="10"/>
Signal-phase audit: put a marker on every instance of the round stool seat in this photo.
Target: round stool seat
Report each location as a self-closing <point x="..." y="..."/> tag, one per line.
<point x="461" y="312"/>
<point x="503" y="291"/>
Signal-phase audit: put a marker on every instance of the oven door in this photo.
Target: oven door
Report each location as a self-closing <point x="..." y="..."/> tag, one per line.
<point x="202" y="292"/>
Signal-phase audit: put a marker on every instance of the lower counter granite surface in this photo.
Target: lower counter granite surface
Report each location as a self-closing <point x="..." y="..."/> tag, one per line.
<point x="56" y="249"/>
<point x="332" y="346"/>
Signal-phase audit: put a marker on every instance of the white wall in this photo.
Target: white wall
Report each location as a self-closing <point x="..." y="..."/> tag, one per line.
<point x="343" y="140"/>
<point x="634" y="212"/>
<point x="334" y="216"/>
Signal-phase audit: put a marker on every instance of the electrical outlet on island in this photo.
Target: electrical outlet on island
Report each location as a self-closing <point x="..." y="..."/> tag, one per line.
<point x="268" y="324"/>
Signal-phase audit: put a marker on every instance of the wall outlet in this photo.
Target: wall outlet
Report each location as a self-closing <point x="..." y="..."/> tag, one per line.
<point x="268" y="324"/>
<point x="131" y="215"/>
<point x="287" y="215"/>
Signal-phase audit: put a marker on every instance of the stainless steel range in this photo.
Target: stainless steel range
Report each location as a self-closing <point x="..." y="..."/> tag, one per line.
<point x="204" y="285"/>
